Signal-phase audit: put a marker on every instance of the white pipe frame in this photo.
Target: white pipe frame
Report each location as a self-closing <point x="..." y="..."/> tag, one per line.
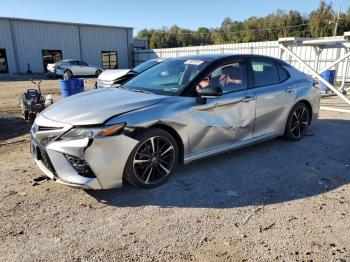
<point x="316" y="74"/>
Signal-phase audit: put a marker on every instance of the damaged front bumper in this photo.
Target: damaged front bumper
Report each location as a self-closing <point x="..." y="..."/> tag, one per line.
<point x="89" y="163"/>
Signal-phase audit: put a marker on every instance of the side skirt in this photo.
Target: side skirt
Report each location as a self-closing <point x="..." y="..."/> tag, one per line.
<point x="234" y="146"/>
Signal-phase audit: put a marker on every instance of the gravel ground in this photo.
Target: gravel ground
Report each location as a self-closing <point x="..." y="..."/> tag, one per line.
<point x="276" y="201"/>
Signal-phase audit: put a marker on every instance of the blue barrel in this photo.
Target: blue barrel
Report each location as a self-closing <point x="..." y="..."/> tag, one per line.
<point x="329" y="75"/>
<point x="71" y="86"/>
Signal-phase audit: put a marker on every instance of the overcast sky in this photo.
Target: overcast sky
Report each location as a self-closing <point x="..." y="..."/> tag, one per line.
<point x="153" y="13"/>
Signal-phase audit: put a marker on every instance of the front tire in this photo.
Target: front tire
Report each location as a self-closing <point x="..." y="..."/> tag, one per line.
<point x="298" y="122"/>
<point x="153" y="160"/>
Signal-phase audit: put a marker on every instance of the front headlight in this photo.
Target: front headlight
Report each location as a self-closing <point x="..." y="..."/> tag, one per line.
<point x="80" y="133"/>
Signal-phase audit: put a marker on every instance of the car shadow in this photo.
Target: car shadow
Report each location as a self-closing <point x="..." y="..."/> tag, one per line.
<point x="12" y="127"/>
<point x="271" y="172"/>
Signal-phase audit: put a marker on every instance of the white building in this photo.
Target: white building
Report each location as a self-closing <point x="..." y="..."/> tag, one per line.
<point x="27" y="44"/>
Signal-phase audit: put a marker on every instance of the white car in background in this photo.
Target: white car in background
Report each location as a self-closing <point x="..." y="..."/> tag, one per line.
<point x="71" y="67"/>
<point x="117" y="77"/>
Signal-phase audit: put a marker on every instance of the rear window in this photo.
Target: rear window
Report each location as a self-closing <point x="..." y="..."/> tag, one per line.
<point x="282" y="73"/>
<point x="264" y="72"/>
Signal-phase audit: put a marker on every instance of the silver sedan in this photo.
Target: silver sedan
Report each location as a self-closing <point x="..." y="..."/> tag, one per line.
<point x="178" y="111"/>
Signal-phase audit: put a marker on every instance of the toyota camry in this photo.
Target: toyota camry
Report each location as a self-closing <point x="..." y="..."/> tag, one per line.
<point x="178" y="111"/>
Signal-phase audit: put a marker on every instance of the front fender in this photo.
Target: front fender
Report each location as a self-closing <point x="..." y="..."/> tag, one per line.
<point x="173" y="114"/>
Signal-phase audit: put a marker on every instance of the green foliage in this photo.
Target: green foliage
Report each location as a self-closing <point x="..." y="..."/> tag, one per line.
<point x="319" y="23"/>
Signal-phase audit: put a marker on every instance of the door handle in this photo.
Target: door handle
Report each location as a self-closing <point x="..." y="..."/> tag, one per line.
<point x="247" y="99"/>
<point x="289" y="90"/>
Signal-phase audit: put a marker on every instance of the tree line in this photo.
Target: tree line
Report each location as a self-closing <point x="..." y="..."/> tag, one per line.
<point x="319" y="23"/>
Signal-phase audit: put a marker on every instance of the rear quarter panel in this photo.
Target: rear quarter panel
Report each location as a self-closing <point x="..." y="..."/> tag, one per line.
<point x="306" y="90"/>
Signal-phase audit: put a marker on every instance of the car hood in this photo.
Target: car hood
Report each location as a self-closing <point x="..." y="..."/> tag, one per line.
<point x="96" y="106"/>
<point x="110" y="75"/>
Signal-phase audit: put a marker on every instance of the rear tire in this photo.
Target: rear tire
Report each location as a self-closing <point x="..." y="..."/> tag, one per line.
<point x="298" y="122"/>
<point x="153" y="160"/>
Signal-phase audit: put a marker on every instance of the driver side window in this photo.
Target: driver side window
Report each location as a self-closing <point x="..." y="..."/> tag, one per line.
<point x="230" y="78"/>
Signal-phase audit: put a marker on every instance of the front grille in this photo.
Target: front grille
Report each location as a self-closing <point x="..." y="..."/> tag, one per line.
<point x="43" y="156"/>
<point x="46" y="161"/>
<point x="49" y="137"/>
<point x="47" y="140"/>
<point x="42" y="136"/>
<point x="80" y="166"/>
<point x="48" y="128"/>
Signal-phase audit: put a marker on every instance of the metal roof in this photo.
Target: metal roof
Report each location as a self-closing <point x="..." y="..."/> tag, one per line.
<point x="62" y="23"/>
<point x="334" y="42"/>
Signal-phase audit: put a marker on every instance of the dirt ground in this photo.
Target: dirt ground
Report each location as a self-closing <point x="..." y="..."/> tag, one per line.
<point x="276" y="201"/>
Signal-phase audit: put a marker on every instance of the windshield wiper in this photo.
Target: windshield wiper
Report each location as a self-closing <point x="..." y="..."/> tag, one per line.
<point x="140" y="91"/>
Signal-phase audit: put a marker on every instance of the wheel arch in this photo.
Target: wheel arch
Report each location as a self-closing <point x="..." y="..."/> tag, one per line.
<point x="176" y="136"/>
<point x="308" y="104"/>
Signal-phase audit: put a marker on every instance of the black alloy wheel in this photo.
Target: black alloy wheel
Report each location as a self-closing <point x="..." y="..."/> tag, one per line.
<point x="153" y="160"/>
<point x="298" y="122"/>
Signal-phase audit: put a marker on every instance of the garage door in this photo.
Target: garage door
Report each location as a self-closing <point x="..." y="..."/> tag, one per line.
<point x="3" y="62"/>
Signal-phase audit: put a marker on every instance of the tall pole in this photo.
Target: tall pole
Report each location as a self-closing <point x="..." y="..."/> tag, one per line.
<point x="337" y="20"/>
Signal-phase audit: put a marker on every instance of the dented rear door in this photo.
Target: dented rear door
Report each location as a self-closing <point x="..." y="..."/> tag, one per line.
<point x="222" y="121"/>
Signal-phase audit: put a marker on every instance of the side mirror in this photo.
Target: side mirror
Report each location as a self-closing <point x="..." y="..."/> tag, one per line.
<point x="208" y="92"/>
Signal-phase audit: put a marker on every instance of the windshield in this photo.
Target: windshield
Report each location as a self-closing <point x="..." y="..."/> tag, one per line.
<point x="144" y="66"/>
<point x="167" y="78"/>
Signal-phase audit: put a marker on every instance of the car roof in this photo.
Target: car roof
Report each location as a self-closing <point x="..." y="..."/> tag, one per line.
<point x="219" y="57"/>
<point x="210" y="57"/>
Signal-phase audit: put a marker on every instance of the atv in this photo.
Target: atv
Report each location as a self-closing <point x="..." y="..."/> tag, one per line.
<point x="32" y="102"/>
